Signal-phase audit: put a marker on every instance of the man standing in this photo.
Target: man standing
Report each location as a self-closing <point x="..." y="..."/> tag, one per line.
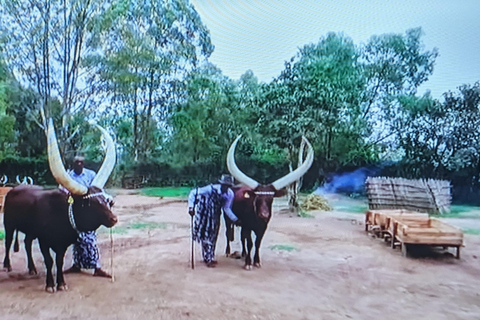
<point x="206" y="205"/>
<point x="85" y="250"/>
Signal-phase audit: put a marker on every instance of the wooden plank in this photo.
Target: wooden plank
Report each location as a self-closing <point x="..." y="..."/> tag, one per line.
<point x="438" y="241"/>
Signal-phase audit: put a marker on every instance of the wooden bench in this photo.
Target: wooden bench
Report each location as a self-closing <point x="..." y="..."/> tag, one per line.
<point x="3" y="193"/>
<point x="426" y="231"/>
<point x="376" y="221"/>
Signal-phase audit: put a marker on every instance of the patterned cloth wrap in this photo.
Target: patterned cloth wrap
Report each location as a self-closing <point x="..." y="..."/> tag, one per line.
<point x="207" y="222"/>
<point x="85" y="251"/>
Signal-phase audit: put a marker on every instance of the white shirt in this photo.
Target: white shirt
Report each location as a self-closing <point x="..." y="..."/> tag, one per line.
<point x="207" y="190"/>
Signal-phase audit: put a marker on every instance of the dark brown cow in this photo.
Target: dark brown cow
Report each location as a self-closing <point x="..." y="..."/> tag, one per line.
<point x="253" y="204"/>
<point x="55" y="216"/>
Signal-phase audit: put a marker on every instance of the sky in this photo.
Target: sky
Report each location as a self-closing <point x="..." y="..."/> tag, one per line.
<point x="260" y="35"/>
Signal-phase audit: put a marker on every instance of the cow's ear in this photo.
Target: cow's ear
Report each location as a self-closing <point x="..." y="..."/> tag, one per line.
<point x="281" y="192"/>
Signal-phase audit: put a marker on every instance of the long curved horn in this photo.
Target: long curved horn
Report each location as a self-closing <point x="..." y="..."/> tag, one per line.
<point x="56" y="165"/>
<point x="297" y="173"/>
<point x="109" y="161"/>
<point x="233" y="169"/>
<point x="18" y="179"/>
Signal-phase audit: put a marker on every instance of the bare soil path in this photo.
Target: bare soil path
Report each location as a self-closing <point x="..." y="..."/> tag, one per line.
<point x="323" y="267"/>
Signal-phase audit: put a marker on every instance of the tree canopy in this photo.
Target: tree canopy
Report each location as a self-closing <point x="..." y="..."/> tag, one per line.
<point x="141" y="69"/>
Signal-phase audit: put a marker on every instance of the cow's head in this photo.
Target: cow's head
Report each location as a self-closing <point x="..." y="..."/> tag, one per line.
<point x="94" y="209"/>
<point x="92" y="201"/>
<point x="261" y="196"/>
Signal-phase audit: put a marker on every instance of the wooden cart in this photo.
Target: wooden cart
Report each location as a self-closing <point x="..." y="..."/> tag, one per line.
<point x="376" y="221"/>
<point x="430" y="231"/>
<point x="404" y="227"/>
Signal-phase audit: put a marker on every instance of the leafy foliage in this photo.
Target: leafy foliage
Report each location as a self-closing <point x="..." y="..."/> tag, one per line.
<point x="155" y="44"/>
<point x="140" y="68"/>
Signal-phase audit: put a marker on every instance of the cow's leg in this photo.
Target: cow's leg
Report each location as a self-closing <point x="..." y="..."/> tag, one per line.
<point x="8" y="243"/>
<point x="258" y="241"/>
<point x="28" y="248"/>
<point x="50" y="287"/>
<point x="247" y="234"/>
<point x="59" y="258"/>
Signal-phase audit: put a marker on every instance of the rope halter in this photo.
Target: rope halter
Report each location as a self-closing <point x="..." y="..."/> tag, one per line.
<point x="71" y="218"/>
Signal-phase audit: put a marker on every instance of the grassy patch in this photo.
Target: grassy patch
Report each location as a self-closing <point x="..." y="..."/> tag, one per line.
<point x="351" y="207"/>
<point x="283" y="247"/>
<point x="462" y="208"/>
<point x="147" y="225"/>
<point x="461" y="212"/>
<point x="305" y="214"/>
<point x="139" y="225"/>
<point x="2" y="234"/>
<point x="471" y="231"/>
<point x="166" y="192"/>
<point x="120" y="230"/>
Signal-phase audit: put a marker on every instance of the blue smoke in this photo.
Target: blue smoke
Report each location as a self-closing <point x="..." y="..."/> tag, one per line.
<point x="348" y="182"/>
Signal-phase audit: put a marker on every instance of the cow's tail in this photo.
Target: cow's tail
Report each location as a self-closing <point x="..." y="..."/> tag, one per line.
<point x="16" y="248"/>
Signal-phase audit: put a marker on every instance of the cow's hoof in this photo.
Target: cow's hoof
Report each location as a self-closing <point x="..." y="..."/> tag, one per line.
<point x="257" y="265"/>
<point x="236" y="255"/>
<point x="8" y="269"/>
<point x="32" y="272"/>
<point x="50" y="289"/>
<point x="62" y="287"/>
<point x="248" y="267"/>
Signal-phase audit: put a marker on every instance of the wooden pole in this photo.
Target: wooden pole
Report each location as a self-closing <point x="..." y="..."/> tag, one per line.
<point x="193" y="244"/>
<point x="111" y="255"/>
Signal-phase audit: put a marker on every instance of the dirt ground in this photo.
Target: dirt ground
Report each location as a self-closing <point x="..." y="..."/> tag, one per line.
<point x="324" y="267"/>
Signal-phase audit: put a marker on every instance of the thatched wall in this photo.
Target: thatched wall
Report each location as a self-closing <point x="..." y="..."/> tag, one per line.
<point x="432" y="196"/>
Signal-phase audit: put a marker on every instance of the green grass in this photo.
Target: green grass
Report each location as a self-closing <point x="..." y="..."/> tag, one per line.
<point x="147" y="225"/>
<point x="119" y="230"/>
<point x="166" y="192"/>
<point x="471" y="231"/>
<point x="351" y="207"/>
<point x="462" y="212"/>
<point x="305" y="214"/>
<point x="139" y="225"/>
<point x="2" y="234"/>
<point x="283" y="247"/>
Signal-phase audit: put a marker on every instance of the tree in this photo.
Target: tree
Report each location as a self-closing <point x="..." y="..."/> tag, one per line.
<point x="394" y="65"/>
<point x="318" y="94"/>
<point x="7" y="134"/>
<point x="440" y="138"/>
<point x="44" y="43"/>
<point x="204" y="124"/>
<point x="144" y="49"/>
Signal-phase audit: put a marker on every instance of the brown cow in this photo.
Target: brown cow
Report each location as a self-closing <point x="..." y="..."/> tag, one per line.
<point x="54" y="216"/>
<point x="253" y="204"/>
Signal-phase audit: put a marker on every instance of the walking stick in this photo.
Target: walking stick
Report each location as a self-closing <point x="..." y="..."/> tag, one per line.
<point x="111" y="255"/>
<point x="191" y="235"/>
<point x="193" y="244"/>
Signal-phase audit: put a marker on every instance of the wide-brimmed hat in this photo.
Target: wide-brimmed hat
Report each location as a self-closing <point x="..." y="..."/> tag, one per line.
<point x="226" y="179"/>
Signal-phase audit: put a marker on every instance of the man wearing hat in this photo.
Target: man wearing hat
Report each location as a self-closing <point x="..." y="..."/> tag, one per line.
<point x="206" y="205"/>
<point x="85" y="250"/>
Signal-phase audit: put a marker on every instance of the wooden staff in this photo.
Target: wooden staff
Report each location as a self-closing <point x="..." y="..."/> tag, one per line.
<point x="191" y="227"/>
<point x="111" y="255"/>
<point x="193" y="244"/>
